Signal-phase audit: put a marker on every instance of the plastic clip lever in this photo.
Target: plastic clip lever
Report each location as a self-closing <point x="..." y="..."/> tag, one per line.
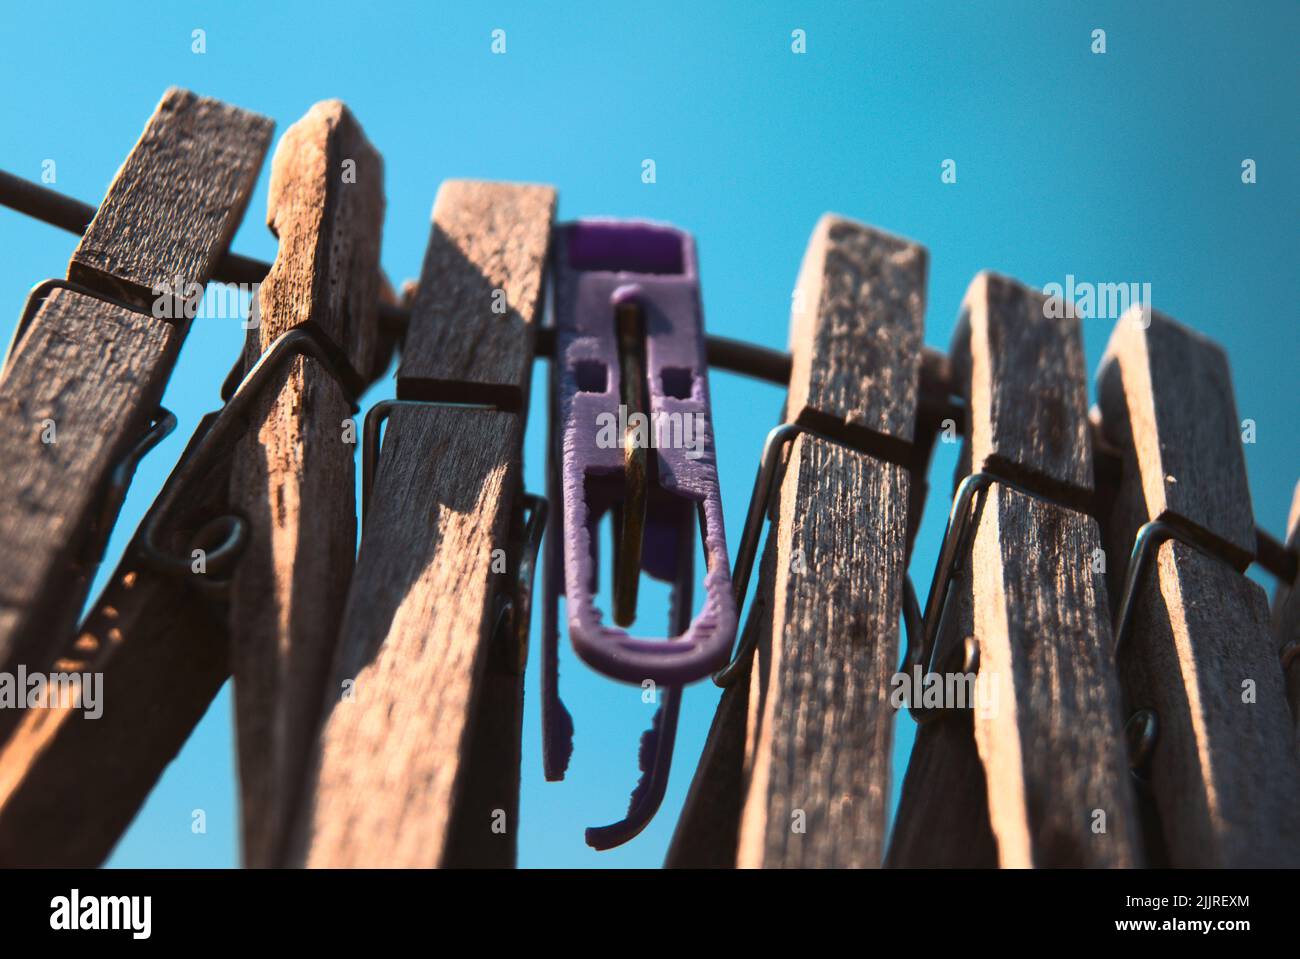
<point x="631" y="436"/>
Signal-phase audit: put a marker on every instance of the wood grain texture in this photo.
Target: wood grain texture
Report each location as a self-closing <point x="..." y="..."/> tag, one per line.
<point x="294" y="477"/>
<point x="496" y="294"/>
<point x="1047" y="721"/>
<point x="1024" y="375"/>
<point x="176" y="201"/>
<point x="390" y="783"/>
<point x="92" y="373"/>
<point x="1175" y="391"/>
<point x="413" y="643"/>
<point x="807" y="745"/>
<point x="1051" y="739"/>
<point x="97" y="371"/>
<point x="855" y="330"/>
<point x="1286" y="621"/>
<point x="820" y="724"/>
<point x="70" y="785"/>
<point x="1224" y="773"/>
<point x="820" y="718"/>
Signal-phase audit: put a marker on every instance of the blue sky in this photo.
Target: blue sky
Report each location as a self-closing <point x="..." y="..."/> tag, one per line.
<point x="1115" y="167"/>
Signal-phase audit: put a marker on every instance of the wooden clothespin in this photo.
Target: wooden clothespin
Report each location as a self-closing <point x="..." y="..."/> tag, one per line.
<point x="293" y="477"/>
<point x="1044" y="781"/>
<point x="1195" y="655"/>
<point x="86" y="376"/>
<point x="418" y="759"/>
<point x="817" y="724"/>
<point x="162" y="636"/>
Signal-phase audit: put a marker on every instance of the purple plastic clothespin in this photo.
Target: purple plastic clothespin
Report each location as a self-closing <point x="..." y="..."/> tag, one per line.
<point x="631" y="434"/>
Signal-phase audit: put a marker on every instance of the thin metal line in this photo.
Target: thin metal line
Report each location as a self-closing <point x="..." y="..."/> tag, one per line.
<point x="743" y="568"/>
<point x="1146" y="546"/>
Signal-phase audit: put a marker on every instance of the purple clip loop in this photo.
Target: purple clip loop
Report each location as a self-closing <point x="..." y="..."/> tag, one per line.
<point x="632" y="434"/>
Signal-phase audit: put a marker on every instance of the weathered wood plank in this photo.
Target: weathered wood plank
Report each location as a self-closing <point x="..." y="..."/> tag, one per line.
<point x="1051" y="740"/>
<point x="819" y="701"/>
<point x="1286" y="622"/>
<point x="1223" y="773"/>
<point x="78" y="392"/>
<point x="294" y="476"/>
<point x="1023" y="374"/>
<point x="413" y="642"/>
<point x="1019" y="780"/>
<point x="1189" y="450"/>
<point x="89" y="374"/>
<point x="856" y="360"/>
<point x="70" y="785"/>
<point x="820" y="723"/>
<point x="440" y="358"/>
<point x="148" y="634"/>
<point x="388" y="777"/>
<point x="806" y="746"/>
<point x="177" y="200"/>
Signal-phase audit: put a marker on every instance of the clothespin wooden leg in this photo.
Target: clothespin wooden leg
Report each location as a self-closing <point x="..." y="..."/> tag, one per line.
<point x="942" y="817"/>
<point x="1222" y="769"/>
<point x="84" y="380"/>
<point x="708" y="829"/>
<point x="388" y="779"/>
<point x="294" y="475"/>
<point x="148" y="634"/>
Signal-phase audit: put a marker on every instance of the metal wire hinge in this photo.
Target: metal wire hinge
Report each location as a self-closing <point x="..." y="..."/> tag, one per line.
<point x="1143" y="725"/>
<point x="229" y="532"/>
<point x="765" y="484"/>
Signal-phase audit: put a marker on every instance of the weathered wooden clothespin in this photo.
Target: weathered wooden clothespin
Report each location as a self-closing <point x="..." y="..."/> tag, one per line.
<point x="817" y="725"/>
<point x="1052" y="787"/>
<point x="86" y="376"/>
<point x="418" y="760"/>
<point x="293" y="478"/>
<point x="1199" y="668"/>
